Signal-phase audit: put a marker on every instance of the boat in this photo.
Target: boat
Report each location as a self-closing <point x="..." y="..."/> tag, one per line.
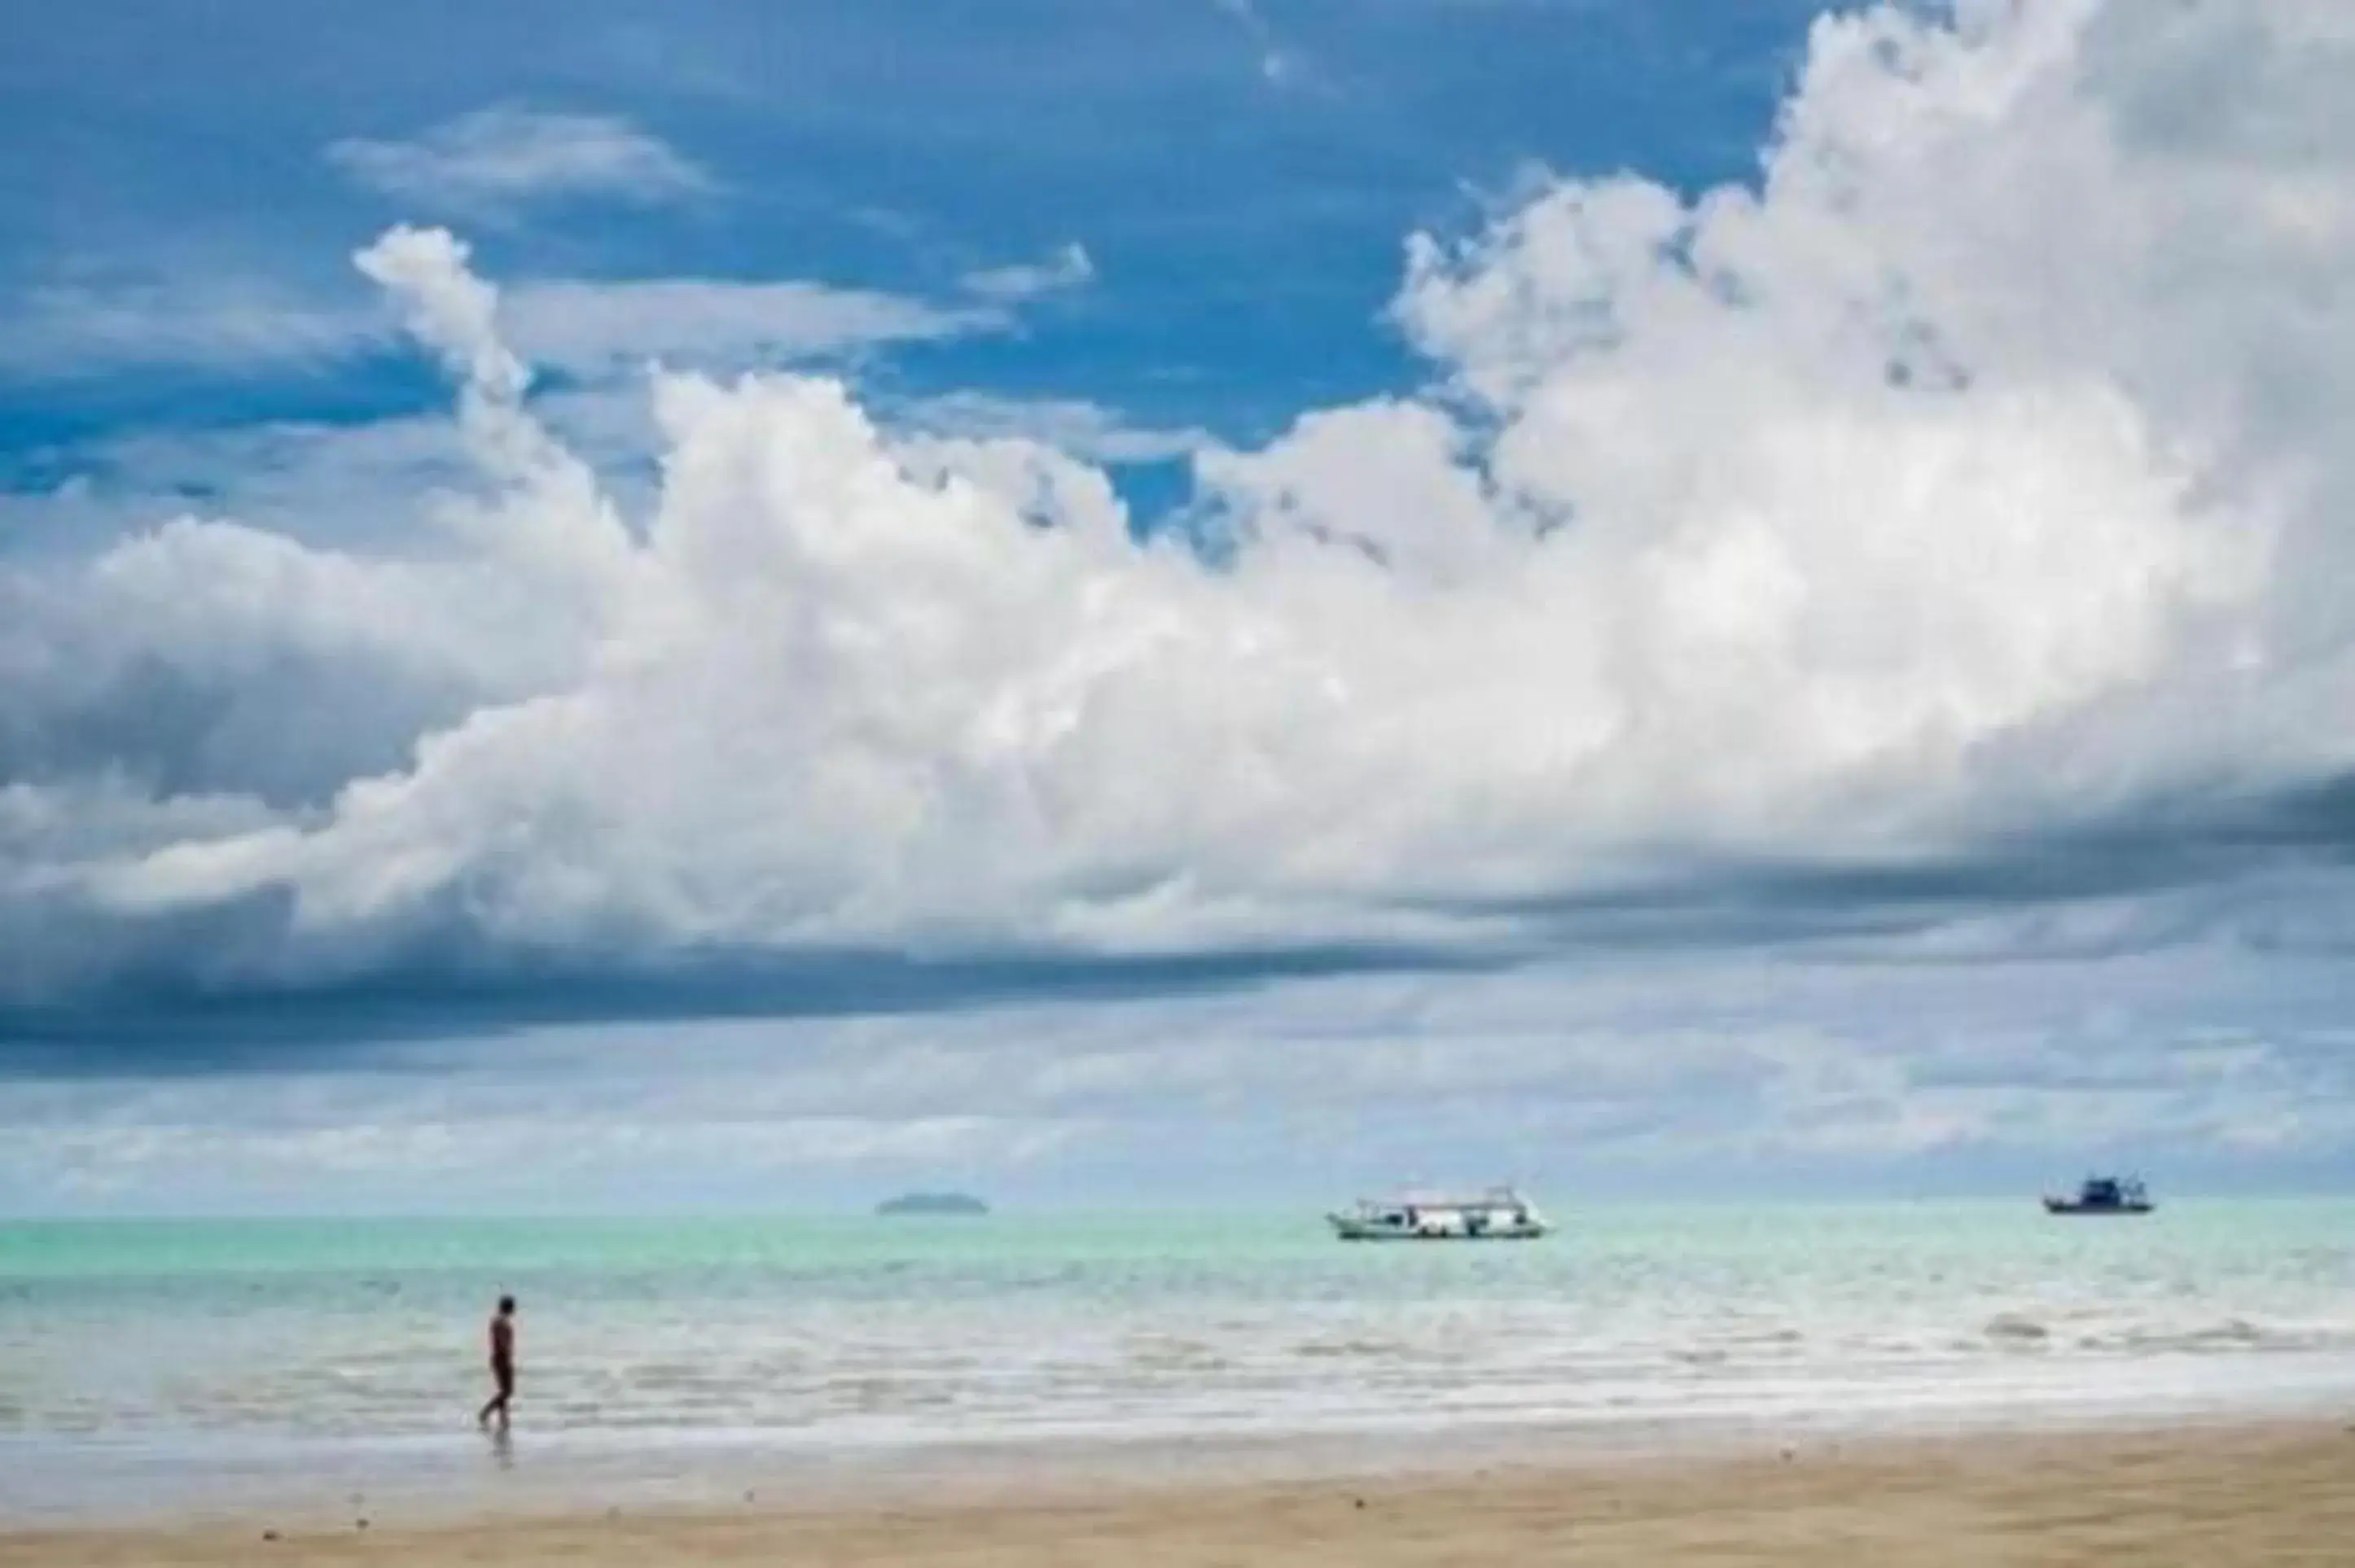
<point x="1500" y="1214"/>
<point x="2102" y="1195"/>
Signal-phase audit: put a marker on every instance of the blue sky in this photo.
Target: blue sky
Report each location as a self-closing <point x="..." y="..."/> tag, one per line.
<point x="1241" y="178"/>
<point x="1239" y="596"/>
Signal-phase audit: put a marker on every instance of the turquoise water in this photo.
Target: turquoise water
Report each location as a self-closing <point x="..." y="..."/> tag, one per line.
<point x="183" y="1342"/>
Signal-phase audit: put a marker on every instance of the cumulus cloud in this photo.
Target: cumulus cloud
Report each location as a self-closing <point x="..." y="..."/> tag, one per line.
<point x="506" y="154"/>
<point x="351" y="481"/>
<point x="450" y="310"/>
<point x="1972" y="476"/>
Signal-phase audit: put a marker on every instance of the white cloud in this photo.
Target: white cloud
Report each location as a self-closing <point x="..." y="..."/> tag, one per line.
<point x="1977" y="476"/>
<point x="598" y="328"/>
<point x="64" y="331"/>
<point x="1081" y="430"/>
<point x="450" y="311"/>
<point x="1277" y="64"/>
<point x="587" y="328"/>
<point x="362" y="482"/>
<point x="499" y="156"/>
<point x="1068" y="267"/>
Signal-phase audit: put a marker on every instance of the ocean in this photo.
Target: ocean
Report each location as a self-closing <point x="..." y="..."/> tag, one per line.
<point x="185" y="1363"/>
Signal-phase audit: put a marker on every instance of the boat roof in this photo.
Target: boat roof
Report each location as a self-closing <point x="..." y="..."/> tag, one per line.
<point x="1448" y="1200"/>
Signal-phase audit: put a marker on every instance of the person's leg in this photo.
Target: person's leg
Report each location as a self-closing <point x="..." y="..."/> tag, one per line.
<point x="497" y="1404"/>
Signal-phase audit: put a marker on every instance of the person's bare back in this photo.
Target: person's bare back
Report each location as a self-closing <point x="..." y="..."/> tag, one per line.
<point x="503" y="1364"/>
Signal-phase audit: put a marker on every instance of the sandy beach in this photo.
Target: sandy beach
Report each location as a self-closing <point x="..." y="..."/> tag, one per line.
<point x="2196" y="1497"/>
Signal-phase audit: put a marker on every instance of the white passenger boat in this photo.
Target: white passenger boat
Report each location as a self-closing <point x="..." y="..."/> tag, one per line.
<point x="1500" y="1214"/>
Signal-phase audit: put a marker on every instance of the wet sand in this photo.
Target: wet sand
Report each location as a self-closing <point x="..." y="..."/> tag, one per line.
<point x="2195" y="1496"/>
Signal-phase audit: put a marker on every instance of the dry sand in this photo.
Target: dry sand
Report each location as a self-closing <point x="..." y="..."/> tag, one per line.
<point x="2193" y="1498"/>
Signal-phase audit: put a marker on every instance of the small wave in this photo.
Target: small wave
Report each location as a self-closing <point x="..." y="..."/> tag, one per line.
<point x="1152" y="1355"/>
<point x="874" y="1395"/>
<point x="2231" y="1334"/>
<point x="2016" y="1328"/>
<point x="1374" y="1350"/>
<point x="1768" y="1336"/>
<point x="672" y="1377"/>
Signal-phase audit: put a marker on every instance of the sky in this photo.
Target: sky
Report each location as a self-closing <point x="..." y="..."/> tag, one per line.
<point x="1166" y="601"/>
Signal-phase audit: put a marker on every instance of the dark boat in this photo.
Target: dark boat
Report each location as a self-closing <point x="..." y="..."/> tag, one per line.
<point x="2103" y="1195"/>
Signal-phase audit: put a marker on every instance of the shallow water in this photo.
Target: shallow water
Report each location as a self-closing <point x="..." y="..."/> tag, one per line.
<point x="161" y="1353"/>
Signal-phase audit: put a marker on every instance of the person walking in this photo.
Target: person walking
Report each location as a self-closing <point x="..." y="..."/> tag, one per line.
<point x="503" y="1364"/>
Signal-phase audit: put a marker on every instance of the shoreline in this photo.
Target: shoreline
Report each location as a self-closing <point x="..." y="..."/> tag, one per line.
<point x="2212" y="1492"/>
<point x="475" y="1477"/>
<point x="96" y="1482"/>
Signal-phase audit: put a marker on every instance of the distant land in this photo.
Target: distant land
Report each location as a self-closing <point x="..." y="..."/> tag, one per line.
<point x="933" y="1203"/>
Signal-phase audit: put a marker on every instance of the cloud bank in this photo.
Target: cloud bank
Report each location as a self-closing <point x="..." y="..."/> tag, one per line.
<point x="1969" y="481"/>
<point x="1655" y="1074"/>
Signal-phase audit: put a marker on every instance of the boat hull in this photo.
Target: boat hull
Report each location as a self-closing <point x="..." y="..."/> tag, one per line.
<point x="1350" y="1231"/>
<point x="1501" y="1213"/>
<point x="2062" y="1206"/>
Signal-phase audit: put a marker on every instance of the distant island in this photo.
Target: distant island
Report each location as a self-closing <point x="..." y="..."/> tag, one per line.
<point x="933" y="1203"/>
